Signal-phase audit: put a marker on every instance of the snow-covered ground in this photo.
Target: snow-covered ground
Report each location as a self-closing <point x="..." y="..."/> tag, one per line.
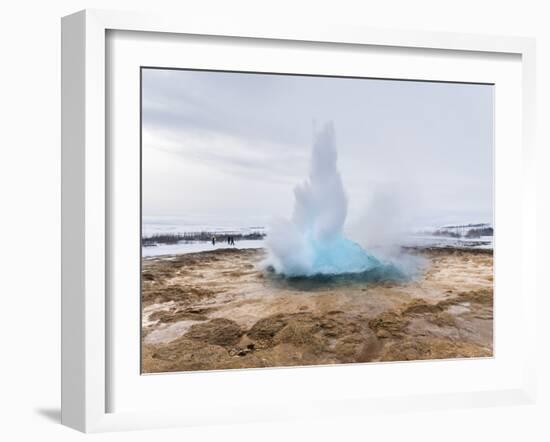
<point x="483" y="242"/>
<point x="422" y="238"/>
<point x="197" y="246"/>
<point x="179" y="226"/>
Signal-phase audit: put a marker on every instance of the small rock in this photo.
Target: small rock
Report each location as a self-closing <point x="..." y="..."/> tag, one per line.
<point x="382" y="333"/>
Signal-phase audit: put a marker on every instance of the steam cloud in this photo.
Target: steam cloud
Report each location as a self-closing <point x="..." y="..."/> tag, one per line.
<point x="312" y="241"/>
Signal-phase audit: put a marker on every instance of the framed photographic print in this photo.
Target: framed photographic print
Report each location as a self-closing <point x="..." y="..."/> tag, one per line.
<point x="386" y="254"/>
<point x="287" y="222"/>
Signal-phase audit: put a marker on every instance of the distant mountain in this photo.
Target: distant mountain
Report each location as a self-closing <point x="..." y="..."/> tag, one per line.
<point x="471" y="230"/>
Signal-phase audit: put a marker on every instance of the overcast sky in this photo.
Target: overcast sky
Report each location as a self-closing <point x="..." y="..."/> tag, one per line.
<point x="229" y="148"/>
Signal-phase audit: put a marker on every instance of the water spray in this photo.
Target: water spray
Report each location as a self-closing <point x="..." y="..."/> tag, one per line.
<point x="312" y="241"/>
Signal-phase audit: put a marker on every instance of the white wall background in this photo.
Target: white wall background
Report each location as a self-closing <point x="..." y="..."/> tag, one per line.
<point x="30" y="220"/>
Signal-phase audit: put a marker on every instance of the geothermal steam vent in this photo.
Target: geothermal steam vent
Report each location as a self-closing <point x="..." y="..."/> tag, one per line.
<point x="312" y="241"/>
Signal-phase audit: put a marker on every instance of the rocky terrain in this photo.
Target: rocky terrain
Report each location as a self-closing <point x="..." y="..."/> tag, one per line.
<point x="218" y="310"/>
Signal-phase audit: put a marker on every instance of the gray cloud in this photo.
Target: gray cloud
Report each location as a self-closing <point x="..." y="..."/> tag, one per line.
<point x="254" y="131"/>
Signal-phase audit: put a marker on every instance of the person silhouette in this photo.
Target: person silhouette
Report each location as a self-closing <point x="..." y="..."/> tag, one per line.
<point x="213" y="240"/>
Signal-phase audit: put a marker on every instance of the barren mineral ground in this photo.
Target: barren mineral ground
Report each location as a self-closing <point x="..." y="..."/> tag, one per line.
<point x="217" y="310"/>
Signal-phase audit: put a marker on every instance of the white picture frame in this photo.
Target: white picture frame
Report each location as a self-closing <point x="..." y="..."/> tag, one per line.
<point x="85" y="205"/>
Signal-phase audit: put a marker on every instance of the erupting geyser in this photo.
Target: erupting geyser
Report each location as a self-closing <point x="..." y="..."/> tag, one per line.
<point x="312" y="241"/>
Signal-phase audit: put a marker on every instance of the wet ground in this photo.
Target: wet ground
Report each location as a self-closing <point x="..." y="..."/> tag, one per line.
<point x="219" y="310"/>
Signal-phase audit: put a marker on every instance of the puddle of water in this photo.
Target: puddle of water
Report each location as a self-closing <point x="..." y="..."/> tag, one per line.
<point x="169" y="333"/>
<point x="150" y="309"/>
<point x="459" y="308"/>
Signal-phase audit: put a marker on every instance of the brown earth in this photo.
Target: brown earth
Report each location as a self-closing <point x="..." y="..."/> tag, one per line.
<point x="218" y="310"/>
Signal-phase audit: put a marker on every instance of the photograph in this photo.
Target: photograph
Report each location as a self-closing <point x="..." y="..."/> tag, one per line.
<point x="304" y="219"/>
